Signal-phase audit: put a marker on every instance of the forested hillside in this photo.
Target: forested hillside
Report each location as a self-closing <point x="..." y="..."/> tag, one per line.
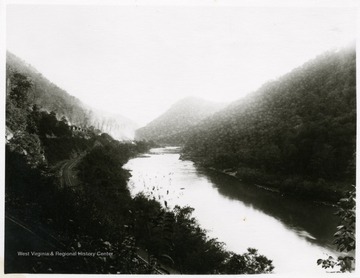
<point x="50" y="97"/>
<point x="297" y="133"/>
<point x="173" y="126"/>
<point x="67" y="196"/>
<point x="43" y="213"/>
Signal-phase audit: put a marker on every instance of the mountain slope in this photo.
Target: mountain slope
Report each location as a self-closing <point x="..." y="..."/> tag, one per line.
<point x="50" y="97"/>
<point x="179" y="119"/>
<point x="118" y="126"/>
<point x="303" y="125"/>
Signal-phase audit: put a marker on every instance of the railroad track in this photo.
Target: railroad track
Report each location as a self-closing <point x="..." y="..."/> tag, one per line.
<point x="66" y="172"/>
<point x="67" y="180"/>
<point x="156" y="270"/>
<point x="46" y="241"/>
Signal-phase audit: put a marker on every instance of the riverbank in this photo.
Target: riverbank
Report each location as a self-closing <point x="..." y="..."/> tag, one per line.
<point x="319" y="191"/>
<point x="267" y="188"/>
<point x="238" y="213"/>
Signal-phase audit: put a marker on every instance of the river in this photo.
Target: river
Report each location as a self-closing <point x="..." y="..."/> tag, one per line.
<point x="292" y="233"/>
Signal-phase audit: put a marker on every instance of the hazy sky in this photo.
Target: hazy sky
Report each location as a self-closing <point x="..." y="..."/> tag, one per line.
<point x="137" y="60"/>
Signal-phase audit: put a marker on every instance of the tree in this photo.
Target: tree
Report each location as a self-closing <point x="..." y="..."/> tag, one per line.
<point x="20" y="85"/>
<point x="248" y="263"/>
<point x="345" y="235"/>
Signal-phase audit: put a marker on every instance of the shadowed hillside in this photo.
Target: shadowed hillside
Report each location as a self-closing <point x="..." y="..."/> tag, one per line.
<point x="296" y="133"/>
<point x="50" y="97"/>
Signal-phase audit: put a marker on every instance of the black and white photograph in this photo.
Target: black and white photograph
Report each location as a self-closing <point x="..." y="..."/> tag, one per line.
<point x="180" y="137"/>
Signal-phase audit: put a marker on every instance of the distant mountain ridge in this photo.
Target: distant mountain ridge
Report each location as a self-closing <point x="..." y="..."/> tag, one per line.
<point x="171" y="126"/>
<point x="50" y="97"/>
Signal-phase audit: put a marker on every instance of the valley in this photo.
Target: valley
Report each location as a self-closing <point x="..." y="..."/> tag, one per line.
<point x="205" y="188"/>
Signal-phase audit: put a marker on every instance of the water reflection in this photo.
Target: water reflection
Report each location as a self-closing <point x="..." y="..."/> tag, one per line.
<point x="315" y="222"/>
<point x="293" y="233"/>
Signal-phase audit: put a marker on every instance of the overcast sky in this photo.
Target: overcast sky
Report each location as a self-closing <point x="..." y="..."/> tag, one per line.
<point x="138" y="60"/>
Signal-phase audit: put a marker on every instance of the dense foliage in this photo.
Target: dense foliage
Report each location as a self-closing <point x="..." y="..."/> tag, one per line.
<point x="297" y="133"/>
<point x="345" y="238"/>
<point x="41" y="215"/>
<point x="44" y="93"/>
<point x="173" y="237"/>
<point x="50" y="97"/>
<point x="99" y="214"/>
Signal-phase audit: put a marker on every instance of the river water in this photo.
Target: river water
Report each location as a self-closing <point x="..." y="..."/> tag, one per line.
<point x="292" y="233"/>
